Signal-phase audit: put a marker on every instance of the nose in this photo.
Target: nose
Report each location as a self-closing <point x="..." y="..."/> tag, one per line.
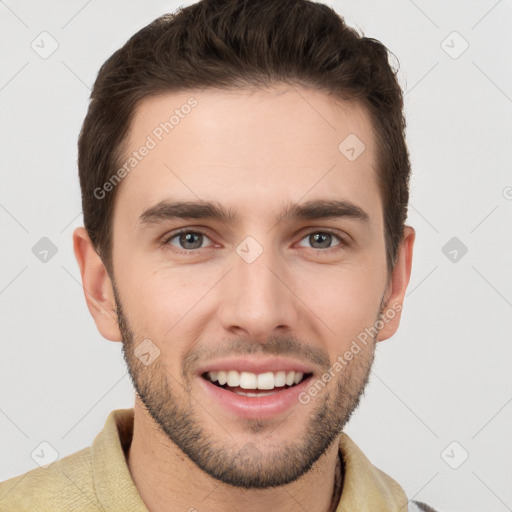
<point x="257" y="299"/>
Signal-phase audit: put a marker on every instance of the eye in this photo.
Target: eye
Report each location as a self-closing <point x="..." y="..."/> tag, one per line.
<point x="322" y="240"/>
<point x="187" y="240"/>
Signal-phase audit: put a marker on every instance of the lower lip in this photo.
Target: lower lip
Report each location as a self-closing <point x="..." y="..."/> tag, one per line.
<point x="258" y="407"/>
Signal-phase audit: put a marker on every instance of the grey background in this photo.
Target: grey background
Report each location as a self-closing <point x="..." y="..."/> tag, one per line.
<point x="445" y="377"/>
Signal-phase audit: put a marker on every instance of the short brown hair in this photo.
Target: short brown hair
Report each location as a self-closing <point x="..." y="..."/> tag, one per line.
<point x="243" y="44"/>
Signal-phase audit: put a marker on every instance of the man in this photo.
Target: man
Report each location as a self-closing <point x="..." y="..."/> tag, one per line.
<point x="244" y="179"/>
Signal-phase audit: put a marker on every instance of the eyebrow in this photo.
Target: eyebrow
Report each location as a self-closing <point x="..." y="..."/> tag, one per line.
<point x="310" y="210"/>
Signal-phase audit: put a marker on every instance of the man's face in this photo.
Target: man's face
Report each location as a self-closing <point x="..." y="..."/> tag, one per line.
<point x="256" y="293"/>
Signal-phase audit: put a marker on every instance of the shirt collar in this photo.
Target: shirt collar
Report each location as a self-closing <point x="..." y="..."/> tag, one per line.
<point x="113" y="481"/>
<point x="365" y="487"/>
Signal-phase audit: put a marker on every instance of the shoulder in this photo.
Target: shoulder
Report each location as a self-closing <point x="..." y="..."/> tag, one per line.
<point x="65" y="485"/>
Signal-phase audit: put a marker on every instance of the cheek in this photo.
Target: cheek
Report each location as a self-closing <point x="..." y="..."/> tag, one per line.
<point x="163" y="303"/>
<point x="345" y="299"/>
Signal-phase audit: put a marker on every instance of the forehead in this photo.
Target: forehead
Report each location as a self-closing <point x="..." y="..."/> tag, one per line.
<point x="252" y="150"/>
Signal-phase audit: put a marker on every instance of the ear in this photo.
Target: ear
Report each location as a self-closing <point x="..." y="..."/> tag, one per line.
<point x="97" y="286"/>
<point x="395" y="291"/>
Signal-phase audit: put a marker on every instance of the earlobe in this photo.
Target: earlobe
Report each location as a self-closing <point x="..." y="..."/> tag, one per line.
<point x="398" y="285"/>
<point x="97" y="286"/>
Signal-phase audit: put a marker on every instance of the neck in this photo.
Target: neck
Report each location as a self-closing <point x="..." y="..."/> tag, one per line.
<point x="167" y="480"/>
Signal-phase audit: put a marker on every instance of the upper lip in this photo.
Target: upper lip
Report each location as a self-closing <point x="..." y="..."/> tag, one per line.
<point x="253" y="365"/>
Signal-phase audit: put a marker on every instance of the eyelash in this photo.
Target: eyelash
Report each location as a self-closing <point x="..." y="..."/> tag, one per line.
<point x="165" y="243"/>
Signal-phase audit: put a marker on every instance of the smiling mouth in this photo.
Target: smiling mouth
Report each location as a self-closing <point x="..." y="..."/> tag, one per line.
<point x="255" y="385"/>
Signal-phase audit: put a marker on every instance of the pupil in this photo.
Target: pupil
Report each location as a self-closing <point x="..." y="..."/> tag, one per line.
<point x="188" y="238"/>
<point x="323" y="238"/>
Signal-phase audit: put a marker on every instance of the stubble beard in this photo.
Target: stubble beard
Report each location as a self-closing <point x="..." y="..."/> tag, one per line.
<point x="250" y="466"/>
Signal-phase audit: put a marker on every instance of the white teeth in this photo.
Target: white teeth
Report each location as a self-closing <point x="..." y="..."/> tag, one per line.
<point x="233" y="378"/>
<point x="249" y="380"/>
<point x="266" y="380"/>
<point x="254" y="394"/>
<point x="279" y="379"/>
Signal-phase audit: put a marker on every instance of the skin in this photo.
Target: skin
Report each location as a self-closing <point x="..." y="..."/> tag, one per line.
<point x="255" y="152"/>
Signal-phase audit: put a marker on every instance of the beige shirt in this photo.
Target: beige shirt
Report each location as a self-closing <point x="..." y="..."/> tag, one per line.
<point x="97" y="478"/>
